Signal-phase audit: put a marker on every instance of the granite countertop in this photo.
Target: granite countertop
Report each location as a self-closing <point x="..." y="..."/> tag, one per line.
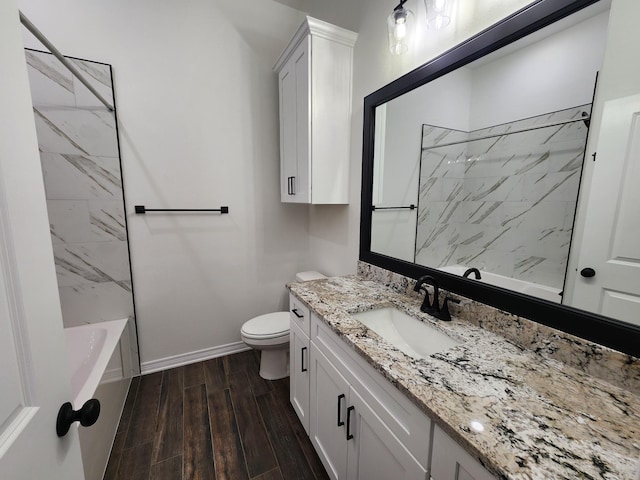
<point x="541" y="419"/>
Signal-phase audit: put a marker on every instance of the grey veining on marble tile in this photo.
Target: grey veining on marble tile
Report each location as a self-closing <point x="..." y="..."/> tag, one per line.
<point x="100" y="77"/>
<point x="83" y="184"/>
<point x="51" y="83"/>
<point x="76" y="131"/>
<point x="481" y="201"/>
<point x="537" y="422"/>
<point x="81" y="177"/>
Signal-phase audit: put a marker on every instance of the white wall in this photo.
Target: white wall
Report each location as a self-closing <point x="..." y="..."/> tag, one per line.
<point x="443" y="102"/>
<point x="334" y="231"/>
<point x="539" y="82"/>
<point x="197" y="109"/>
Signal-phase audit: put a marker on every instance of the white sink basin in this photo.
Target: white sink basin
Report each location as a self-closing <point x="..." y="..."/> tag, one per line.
<point x="410" y="335"/>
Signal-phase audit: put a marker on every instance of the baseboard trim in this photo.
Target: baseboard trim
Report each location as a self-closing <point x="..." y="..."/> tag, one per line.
<point x="192" y="357"/>
<point x="113" y="375"/>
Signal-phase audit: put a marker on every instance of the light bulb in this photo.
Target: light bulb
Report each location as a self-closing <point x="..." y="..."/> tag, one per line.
<point x="400" y="25"/>
<point x="438" y="13"/>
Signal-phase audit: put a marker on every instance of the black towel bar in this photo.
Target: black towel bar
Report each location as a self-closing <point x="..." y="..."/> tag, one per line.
<point x="143" y="209"/>
<point x="410" y="207"/>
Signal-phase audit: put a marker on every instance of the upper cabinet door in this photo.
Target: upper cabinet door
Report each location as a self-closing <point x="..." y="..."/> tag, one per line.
<point x="294" y="127"/>
<point x="315" y="75"/>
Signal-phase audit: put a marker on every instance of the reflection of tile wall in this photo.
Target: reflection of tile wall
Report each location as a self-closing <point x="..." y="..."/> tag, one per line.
<point x="81" y="168"/>
<point x="504" y="204"/>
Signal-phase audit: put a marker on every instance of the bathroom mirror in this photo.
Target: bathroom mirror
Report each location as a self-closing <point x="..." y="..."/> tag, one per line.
<point x="475" y="160"/>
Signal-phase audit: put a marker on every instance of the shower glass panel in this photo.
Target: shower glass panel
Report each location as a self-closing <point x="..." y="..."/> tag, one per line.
<point x="79" y="151"/>
<point x="502" y="198"/>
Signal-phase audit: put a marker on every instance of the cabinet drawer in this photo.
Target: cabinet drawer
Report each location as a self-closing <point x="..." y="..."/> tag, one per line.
<point x="299" y="314"/>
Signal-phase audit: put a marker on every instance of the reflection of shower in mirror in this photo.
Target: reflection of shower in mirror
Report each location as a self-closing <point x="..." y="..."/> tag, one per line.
<point x="521" y="286"/>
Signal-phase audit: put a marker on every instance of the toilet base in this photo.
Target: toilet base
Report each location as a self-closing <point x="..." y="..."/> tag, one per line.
<point x="274" y="364"/>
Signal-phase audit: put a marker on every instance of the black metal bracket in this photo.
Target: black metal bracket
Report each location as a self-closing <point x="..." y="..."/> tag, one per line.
<point x="141" y="209"/>
<point x="400" y="5"/>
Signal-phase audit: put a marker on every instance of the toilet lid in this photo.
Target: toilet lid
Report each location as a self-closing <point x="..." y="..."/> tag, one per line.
<point x="265" y="326"/>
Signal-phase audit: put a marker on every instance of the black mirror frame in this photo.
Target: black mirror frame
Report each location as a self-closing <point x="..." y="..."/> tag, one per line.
<point x="612" y="333"/>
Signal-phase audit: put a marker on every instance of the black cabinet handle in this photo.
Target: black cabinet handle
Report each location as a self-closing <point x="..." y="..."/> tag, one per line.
<point x="340" y="397"/>
<point x="349" y="410"/>
<point x="87" y="416"/>
<point x="302" y="350"/>
<point x="588" y="272"/>
<point x="295" y="312"/>
<point x="291" y="185"/>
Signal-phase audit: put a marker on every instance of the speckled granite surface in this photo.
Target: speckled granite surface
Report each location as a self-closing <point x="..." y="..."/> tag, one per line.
<point x="542" y="419"/>
<point x="596" y="360"/>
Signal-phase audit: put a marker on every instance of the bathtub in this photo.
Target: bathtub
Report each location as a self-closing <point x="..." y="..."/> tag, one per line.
<point x="522" y="286"/>
<point x="99" y="368"/>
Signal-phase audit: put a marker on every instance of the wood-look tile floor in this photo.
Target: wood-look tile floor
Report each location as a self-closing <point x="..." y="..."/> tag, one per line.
<point x="215" y="419"/>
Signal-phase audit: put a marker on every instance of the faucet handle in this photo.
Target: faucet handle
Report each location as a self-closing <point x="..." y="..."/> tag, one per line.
<point x="444" y="311"/>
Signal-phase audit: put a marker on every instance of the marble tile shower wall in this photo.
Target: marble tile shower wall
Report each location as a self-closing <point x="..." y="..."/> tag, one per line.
<point x="82" y="178"/>
<point x="505" y="204"/>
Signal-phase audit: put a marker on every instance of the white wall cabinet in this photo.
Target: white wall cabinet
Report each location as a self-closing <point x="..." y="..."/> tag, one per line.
<point x="361" y="427"/>
<point x="315" y="78"/>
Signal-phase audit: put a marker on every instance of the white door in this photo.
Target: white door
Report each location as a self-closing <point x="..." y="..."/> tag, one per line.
<point x="34" y="374"/>
<point x="611" y="241"/>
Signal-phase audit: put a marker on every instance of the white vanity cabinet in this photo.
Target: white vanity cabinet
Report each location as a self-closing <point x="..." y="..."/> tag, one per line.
<point x="361" y="427"/>
<point x="451" y="462"/>
<point x="351" y="440"/>
<point x="315" y="77"/>
<point x="359" y="424"/>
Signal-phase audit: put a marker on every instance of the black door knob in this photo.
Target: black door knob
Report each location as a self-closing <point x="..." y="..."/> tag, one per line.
<point x="87" y="416"/>
<point x="587" y="272"/>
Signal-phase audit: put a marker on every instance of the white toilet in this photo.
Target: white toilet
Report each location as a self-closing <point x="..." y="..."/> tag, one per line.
<point x="269" y="333"/>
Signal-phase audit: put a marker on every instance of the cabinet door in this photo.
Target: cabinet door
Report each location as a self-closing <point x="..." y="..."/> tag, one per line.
<point x="295" y="124"/>
<point x="288" y="168"/>
<point x="451" y="462"/>
<point x="302" y="66"/>
<point x="374" y="452"/>
<point x="299" y="362"/>
<point x="329" y="400"/>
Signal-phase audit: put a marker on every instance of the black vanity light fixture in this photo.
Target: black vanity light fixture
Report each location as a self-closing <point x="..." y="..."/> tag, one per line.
<point x="401" y="23"/>
<point x="400" y="27"/>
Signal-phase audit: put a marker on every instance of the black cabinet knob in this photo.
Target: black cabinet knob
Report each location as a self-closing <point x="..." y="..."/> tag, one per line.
<point x="87" y="416"/>
<point x="588" y="272"/>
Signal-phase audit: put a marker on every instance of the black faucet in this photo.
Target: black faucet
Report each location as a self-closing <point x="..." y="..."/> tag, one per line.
<point x="475" y="271"/>
<point x="428" y="307"/>
<point x="433" y="308"/>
